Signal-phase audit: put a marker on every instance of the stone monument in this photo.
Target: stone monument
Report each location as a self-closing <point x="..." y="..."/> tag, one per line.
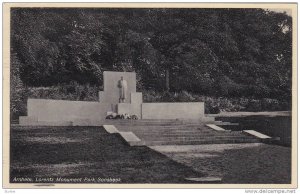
<point x="119" y="96"/>
<point x="111" y="91"/>
<point x="122" y="85"/>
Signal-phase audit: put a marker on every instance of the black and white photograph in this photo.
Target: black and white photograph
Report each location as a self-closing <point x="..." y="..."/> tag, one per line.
<point x="128" y="95"/>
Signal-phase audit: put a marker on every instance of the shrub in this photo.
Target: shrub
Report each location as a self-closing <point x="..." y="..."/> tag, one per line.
<point x="270" y="104"/>
<point x="184" y="96"/>
<point x="211" y="109"/>
<point x="214" y="105"/>
<point x="254" y="106"/>
<point x="71" y="91"/>
<point x="151" y="96"/>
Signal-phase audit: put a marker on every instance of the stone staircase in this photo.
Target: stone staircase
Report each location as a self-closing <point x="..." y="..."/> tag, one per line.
<point x="180" y="132"/>
<point x="151" y="122"/>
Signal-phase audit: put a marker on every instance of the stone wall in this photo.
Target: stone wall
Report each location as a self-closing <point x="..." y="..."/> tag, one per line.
<point x="46" y="110"/>
<point x="180" y="110"/>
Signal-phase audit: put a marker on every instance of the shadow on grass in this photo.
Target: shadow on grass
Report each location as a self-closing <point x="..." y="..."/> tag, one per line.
<point x="278" y="126"/>
<point x="250" y="163"/>
<point x="89" y="153"/>
<point x="266" y="164"/>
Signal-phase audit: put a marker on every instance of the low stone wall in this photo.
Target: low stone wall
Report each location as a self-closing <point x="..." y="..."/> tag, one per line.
<point x="46" y="110"/>
<point x="178" y="110"/>
<point x="81" y="113"/>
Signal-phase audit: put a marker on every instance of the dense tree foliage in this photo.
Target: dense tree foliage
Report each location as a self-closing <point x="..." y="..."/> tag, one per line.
<point x="216" y="52"/>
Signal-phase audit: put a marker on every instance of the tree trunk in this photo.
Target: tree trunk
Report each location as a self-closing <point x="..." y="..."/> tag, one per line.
<point x="167" y="80"/>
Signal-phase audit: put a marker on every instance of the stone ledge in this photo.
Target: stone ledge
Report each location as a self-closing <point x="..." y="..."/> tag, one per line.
<point x="111" y="129"/>
<point x="257" y="134"/>
<point x="131" y="138"/>
<point x="215" y="127"/>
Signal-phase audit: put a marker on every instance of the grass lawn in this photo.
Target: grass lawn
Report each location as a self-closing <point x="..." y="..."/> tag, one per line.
<point x="89" y="153"/>
<point x="248" y="163"/>
<point x="94" y="156"/>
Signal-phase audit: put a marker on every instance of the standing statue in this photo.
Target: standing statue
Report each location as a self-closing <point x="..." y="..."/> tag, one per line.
<point x="122" y="85"/>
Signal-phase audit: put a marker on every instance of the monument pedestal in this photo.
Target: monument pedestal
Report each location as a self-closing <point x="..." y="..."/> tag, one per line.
<point x="131" y="109"/>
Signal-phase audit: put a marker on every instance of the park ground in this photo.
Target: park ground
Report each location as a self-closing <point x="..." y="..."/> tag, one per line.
<point x="92" y="153"/>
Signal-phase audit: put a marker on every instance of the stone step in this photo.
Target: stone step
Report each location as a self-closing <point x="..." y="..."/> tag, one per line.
<point x="159" y="130"/>
<point x="162" y="128"/>
<point x="215" y="127"/>
<point x="148" y="121"/>
<point x="202" y="133"/>
<point x="162" y="125"/>
<point x="179" y="134"/>
<point x="157" y="122"/>
<point x="162" y="120"/>
<point x="226" y="123"/>
<point x="145" y="128"/>
<point x="200" y="142"/>
<point x="257" y="134"/>
<point x="194" y="133"/>
<point x="195" y="138"/>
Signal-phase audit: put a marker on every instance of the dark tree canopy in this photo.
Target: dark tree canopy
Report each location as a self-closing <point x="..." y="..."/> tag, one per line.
<point x="229" y="52"/>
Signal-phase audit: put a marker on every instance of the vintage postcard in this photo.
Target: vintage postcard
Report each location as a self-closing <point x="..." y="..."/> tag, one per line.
<point x="150" y="95"/>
